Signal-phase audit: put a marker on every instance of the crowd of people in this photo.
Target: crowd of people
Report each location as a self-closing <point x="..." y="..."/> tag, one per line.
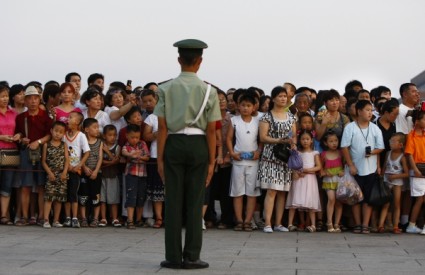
<point x="95" y="154"/>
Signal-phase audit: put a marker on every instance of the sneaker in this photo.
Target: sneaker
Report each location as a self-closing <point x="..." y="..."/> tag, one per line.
<point x="260" y="224"/>
<point x="47" y="225"/>
<point x="423" y="231"/>
<point x="267" y="229"/>
<point x="253" y="225"/>
<point x="67" y="222"/>
<point x="57" y="225"/>
<point x="280" y="228"/>
<point x="75" y="223"/>
<point x="203" y="225"/>
<point x="413" y="229"/>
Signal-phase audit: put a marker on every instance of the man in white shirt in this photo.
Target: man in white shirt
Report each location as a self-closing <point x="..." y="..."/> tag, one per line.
<point x="410" y="98"/>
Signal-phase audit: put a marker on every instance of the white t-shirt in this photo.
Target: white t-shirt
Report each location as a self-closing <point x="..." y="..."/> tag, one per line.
<point x="357" y="139"/>
<point x="101" y="117"/>
<point x="152" y="121"/>
<point x="402" y="123"/>
<point x="246" y="138"/>
<point x="119" y="123"/>
<point x="76" y="147"/>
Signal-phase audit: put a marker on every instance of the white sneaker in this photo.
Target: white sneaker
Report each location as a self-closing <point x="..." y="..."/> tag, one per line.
<point x="423" y="231"/>
<point x="57" y="224"/>
<point x="413" y="230"/>
<point x="203" y="225"/>
<point x="267" y="229"/>
<point x="280" y="228"/>
<point x="47" y="225"/>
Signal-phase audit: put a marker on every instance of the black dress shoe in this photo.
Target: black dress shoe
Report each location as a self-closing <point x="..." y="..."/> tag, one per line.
<point x="198" y="264"/>
<point x="168" y="264"/>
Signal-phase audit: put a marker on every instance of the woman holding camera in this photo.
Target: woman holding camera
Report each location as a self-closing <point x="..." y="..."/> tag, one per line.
<point x="277" y="126"/>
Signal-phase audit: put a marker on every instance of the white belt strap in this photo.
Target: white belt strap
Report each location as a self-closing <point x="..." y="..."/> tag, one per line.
<point x="207" y="95"/>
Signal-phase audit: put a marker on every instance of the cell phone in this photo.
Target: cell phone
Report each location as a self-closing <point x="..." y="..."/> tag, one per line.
<point x="129" y="82"/>
<point x="368" y="150"/>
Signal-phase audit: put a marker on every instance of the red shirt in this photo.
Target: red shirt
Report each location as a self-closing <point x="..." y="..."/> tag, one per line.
<point x="7" y="127"/>
<point x="39" y="125"/>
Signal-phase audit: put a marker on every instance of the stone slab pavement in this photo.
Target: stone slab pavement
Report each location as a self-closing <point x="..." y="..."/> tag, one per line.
<point x="34" y="250"/>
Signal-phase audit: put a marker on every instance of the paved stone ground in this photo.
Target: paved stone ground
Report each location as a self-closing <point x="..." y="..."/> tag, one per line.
<point x="34" y="250"/>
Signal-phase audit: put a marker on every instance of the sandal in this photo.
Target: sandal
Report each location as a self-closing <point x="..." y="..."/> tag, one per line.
<point x="331" y="228"/>
<point x="247" y="227"/>
<point x="157" y="224"/>
<point x="130" y="225"/>
<point x="381" y="229"/>
<point x="319" y="225"/>
<point x="311" y="228"/>
<point x="337" y="229"/>
<point x="32" y="221"/>
<point x="103" y="223"/>
<point x="238" y="226"/>
<point x="365" y="230"/>
<point x="116" y="223"/>
<point x="21" y="222"/>
<point x="292" y="228"/>
<point x="5" y="221"/>
<point x="84" y="223"/>
<point x="396" y="230"/>
<point x="94" y="223"/>
<point x="357" y="229"/>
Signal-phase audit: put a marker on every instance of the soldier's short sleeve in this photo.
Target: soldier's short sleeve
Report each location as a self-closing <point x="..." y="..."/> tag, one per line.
<point x="160" y="105"/>
<point x="213" y="109"/>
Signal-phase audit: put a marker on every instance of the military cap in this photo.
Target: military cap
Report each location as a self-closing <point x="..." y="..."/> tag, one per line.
<point x="190" y="44"/>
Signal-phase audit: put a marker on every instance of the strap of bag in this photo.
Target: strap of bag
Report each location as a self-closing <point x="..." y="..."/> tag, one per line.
<point x="273" y="124"/>
<point x="26" y="127"/>
<point x="204" y="104"/>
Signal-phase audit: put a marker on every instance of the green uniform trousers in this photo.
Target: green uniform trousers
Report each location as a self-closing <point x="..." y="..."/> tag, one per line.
<point x="185" y="171"/>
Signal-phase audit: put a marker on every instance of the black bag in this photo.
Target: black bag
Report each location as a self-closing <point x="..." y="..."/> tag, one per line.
<point x="381" y="193"/>
<point x="281" y="151"/>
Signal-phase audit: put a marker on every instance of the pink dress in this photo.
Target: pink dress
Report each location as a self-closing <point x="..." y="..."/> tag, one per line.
<point x="63" y="116"/>
<point x="304" y="192"/>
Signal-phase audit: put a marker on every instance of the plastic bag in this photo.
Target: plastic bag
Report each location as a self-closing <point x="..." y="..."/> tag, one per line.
<point x="295" y="162"/>
<point x="380" y="193"/>
<point x="348" y="191"/>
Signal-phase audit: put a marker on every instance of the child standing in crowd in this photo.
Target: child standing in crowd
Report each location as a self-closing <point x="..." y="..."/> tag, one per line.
<point x="361" y="144"/>
<point x="67" y="95"/>
<point x="245" y="153"/>
<point x="304" y="192"/>
<point x="155" y="191"/>
<point x="395" y="170"/>
<point x="332" y="170"/>
<point x="78" y="149"/>
<point x="110" y="190"/>
<point x="55" y="161"/>
<point x="137" y="153"/>
<point x="415" y="151"/>
<point x="92" y="179"/>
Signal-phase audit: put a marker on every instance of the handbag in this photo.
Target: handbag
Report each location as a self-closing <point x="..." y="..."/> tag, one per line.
<point x="295" y="162"/>
<point x="281" y="151"/>
<point x="9" y="157"/>
<point x="348" y="190"/>
<point x="380" y="193"/>
<point x="33" y="155"/>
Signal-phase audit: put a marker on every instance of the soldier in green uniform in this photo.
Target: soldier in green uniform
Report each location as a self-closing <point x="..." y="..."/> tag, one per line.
<point x="187" y="111"/>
